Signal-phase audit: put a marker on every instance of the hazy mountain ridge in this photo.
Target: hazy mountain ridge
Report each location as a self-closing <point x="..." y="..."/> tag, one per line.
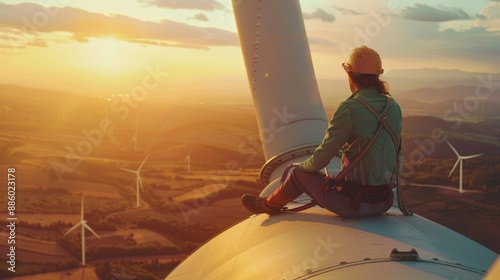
<point x="427" y="81"/>
<point x="430" y="94"/>
<point x="33" y="105"/>
<point x="433" y="74"/>
<point x="446" y="94"/>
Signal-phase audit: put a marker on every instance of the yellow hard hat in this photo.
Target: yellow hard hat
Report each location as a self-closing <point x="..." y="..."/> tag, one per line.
<point x="363" y="60"/>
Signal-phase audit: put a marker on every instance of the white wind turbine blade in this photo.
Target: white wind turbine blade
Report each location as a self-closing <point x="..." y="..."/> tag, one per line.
<point x="73" y="228"/>
<point x="454" y="150"/>
<point x="91" y="230"/>
<point x="473" y="156"/>
<point x="139" y="169"/>
<point x="188" y="157"/>
<point x="139" y="182"/>
<point x="454" y="166"/>
<point x="81" y="213"/>
<point x="170" y="149"/>
<point x="129" y="170"/>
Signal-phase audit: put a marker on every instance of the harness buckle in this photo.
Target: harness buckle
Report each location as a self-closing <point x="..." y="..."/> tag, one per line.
<point x="382" y="117"/>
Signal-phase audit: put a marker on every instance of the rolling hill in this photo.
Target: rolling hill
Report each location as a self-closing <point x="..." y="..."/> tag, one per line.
<point x="469" y="138"/>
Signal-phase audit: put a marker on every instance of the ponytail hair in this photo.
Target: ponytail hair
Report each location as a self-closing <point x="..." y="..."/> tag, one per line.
<point x="370" y="80"/>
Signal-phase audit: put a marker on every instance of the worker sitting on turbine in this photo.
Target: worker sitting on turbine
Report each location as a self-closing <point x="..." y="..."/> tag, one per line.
<point x="367" y="129"/>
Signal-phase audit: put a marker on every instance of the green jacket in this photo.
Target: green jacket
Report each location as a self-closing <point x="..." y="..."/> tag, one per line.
<point x="353" y="125"/>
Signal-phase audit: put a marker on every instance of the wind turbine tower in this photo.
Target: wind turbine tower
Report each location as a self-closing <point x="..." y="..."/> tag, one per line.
<point x="460" y="159"/>
<point x="188" y="159"/>
<point x="134" y="138"/>
<point x="138" y="180"/>
<point x="84" y="226"/>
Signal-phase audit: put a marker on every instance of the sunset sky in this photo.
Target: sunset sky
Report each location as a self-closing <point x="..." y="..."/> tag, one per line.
<point x="104" y="47"/>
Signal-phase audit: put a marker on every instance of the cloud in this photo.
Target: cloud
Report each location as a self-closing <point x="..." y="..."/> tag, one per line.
<point x="80" y="38"/>
<point x="33" y="19"/>
<point x="12" y="40"/>
<point x="489" y="17"/>
<point x="205" y="5"/>
<point x="426" y="42"/>
<point x="320" y="14"/>
<point x="38" y="43"/>
<point x="347" y="11"/>
<point x="200" y="17"/>
<point x="423" y="12"/>
<point x="492" y="11"/>
<point x="487" y="21"/>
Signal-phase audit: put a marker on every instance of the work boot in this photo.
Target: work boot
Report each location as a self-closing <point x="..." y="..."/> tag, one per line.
<point x="257" y="205"/>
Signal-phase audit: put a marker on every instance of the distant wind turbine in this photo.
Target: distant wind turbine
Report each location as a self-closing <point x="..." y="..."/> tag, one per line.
<point x="188" y="159"/>
<point x="138" y="180"/>
<point x="84" y="226"/>
<point x="460" y="159"/>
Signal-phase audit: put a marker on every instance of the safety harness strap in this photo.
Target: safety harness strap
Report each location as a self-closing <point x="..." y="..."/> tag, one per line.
<point x="389" y="131"/>
<point x="397" y="147"/>
<point x="382" y="118"/>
